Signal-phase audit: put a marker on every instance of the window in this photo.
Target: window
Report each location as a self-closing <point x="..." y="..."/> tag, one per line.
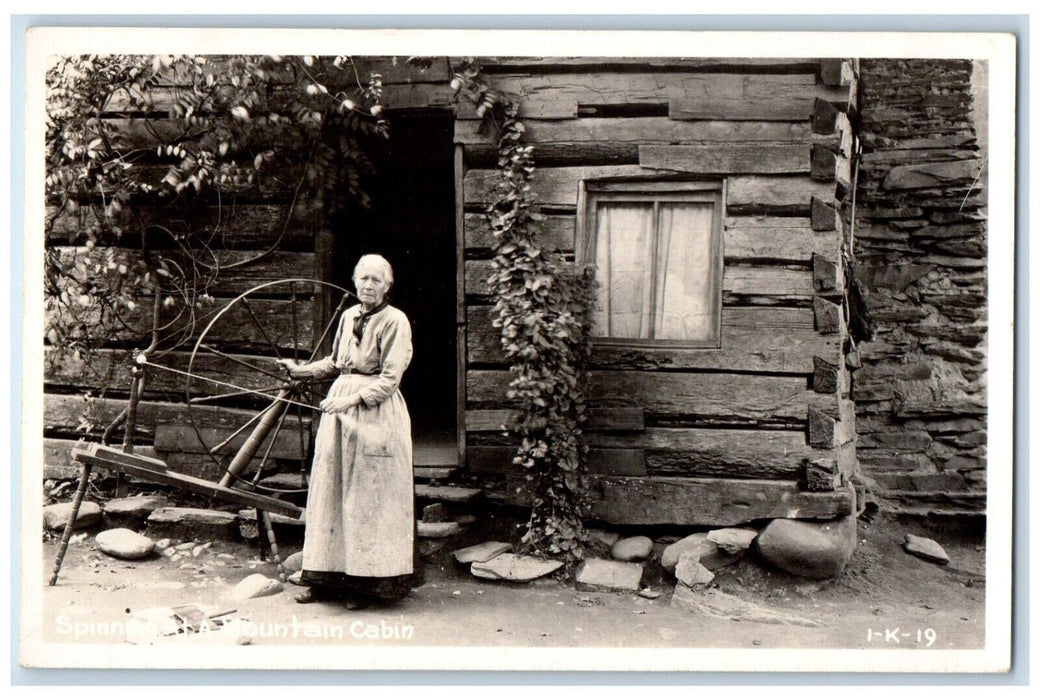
<point x="658" y="254"/>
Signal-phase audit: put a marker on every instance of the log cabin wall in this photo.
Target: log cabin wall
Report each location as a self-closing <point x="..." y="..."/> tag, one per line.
<point x="238" y="229"/>
<point x="920" y="244"/>
<point x="762" y="425"/>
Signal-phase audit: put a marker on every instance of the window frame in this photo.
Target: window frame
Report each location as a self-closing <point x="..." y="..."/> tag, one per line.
<point x="593" y="192"/>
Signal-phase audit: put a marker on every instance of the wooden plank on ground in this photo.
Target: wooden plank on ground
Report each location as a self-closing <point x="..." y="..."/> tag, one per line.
<point x="753" y="340"/>
<point x="715" y="398"/>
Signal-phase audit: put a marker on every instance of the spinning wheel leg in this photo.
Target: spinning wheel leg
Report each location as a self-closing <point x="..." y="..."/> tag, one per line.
<point x="264" y="526"/>
<point x="81" y="491"/>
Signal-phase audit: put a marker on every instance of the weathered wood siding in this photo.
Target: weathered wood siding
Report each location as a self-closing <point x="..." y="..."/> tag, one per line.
<point x="675" y="431"/>
<point x="237" y="229"/>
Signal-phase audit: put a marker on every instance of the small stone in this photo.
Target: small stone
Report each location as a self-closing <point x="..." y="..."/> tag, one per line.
<point x="513" y="567"/>
<point x="809" y="548"/>
<point x="691" y="572"/>
<point x="169" y="552"/>
<point x="708" y="553"/>
<point x="122" y="543"/>
<point x="293" y="562"/>
<point x="197" y="550"/>
<point x="649" y="594"/>
<point x="438" y="530"/>
<point x="55" y="516"/>
<point x="926" y="549"/>
<point x="480" y="552"/>
<point x="184" y="546"/>
<point x="607" y="539"/>
<point x="435" y="513"/>
<point x="255" y="586"/>
<point x="466" y="519"/>
<point x="632" y="549"/>
<point x="163" y="543"/>
<point x="733" y="540"/>
<point x="610" y="574"/>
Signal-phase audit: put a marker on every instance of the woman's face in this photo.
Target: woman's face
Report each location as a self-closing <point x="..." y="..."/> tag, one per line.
<point x="371" y="283"/>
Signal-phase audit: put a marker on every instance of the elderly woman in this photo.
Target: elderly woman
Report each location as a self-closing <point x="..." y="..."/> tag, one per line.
<point x="359" y="543"/>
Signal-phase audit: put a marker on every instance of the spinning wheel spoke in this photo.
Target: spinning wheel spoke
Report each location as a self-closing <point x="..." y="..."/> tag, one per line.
<point x="328" y="326"/>
<point x="240" y="361"/>
<point x="233" y="394"/>
<point x="263" y="331"/>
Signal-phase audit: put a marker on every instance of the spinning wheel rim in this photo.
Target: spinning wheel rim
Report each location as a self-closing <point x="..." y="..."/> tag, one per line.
<point x="223" y="461"/>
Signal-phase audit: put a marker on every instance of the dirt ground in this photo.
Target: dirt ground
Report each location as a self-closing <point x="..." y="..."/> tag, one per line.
<point x="882" y="589"/>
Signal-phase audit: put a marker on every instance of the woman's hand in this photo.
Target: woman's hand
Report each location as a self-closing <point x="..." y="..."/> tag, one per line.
<point x="340" y="404"/>
<point x="288" y="365"/>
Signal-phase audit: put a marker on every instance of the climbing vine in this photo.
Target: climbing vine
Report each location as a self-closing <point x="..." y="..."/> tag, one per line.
<point x="542" y="306"/>
<point x="125" y="133"/>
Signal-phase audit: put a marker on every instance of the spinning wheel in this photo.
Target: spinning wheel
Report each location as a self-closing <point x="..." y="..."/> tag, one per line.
<point x="265" y="414"/>
<point x="280" y="411"/>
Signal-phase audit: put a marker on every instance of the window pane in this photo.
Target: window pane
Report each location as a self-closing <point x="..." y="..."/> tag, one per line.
<point x="685" y="273"/>
<point x="624" y="246"/>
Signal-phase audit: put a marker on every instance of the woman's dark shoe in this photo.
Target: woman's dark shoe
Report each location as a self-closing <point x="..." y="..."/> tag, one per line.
<point x="308" y="595"/>
<point x="356" y="602"/>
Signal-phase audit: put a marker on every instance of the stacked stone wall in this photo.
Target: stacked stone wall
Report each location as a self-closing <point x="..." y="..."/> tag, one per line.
<point x="920" y="254"/>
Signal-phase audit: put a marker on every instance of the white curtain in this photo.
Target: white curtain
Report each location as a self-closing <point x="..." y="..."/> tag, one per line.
<point x="630" y="303"/>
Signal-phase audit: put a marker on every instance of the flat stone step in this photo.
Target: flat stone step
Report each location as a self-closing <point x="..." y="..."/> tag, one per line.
<point x="430" y="473"/>
<point x="452" y="494"/>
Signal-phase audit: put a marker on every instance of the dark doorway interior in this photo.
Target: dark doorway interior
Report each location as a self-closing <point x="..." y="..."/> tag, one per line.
<point x="412" y="223"/>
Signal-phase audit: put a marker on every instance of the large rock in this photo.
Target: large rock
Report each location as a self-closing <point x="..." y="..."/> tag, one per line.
<point x="192" y="523"/>
<point x="255" y="586"/>
<point x="690" y="572"/>
<point x="480" y="552"/>
<point x="604" y="573"/>
<point x="55" y="516"/>
<point x="812" y="549"/>
<point x="706" y="551"/>
<point x="926" y="549"/>
<point x="632" y="549"/>
<point x="293" y="562"/>
<point x="715" y="603"/>
<point x="514" y="567"/>
<point x="131" y="511"/>
<point x="733" y="540"/>
<point x="122" y="543"/>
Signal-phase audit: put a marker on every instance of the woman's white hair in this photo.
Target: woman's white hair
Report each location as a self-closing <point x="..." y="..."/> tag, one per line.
<point x="372" y="258"/>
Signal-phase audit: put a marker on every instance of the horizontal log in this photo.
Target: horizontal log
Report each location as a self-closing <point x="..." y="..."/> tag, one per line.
<point x="757" y="108"/>
<point x="111" y="369"/>
<point x="251" y="226"/>
<point x="65" y="414"/>
<point x="499" y="460"/>
<point x="182" y="438"/>
<point x="727" y="159"/>
<point x="235" y="328"/>
<point x="715" y="398"/>
<point x="753" y="194"/>
<point x="707" y="502"/>
<point x="740" y="284"/>
<point x="753" y="340"/>
<point x="216" y="266"/>
<point x="555" y="232"/>
<point x="613" y="419"/>
<point x="773" y="239"/>
<point x="545" y="64"/>
<point x="661" y="88"/>
<point x="639" y="130"/>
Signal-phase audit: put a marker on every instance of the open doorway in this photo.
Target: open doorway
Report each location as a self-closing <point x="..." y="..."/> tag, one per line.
<point x="412" y="223"/>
